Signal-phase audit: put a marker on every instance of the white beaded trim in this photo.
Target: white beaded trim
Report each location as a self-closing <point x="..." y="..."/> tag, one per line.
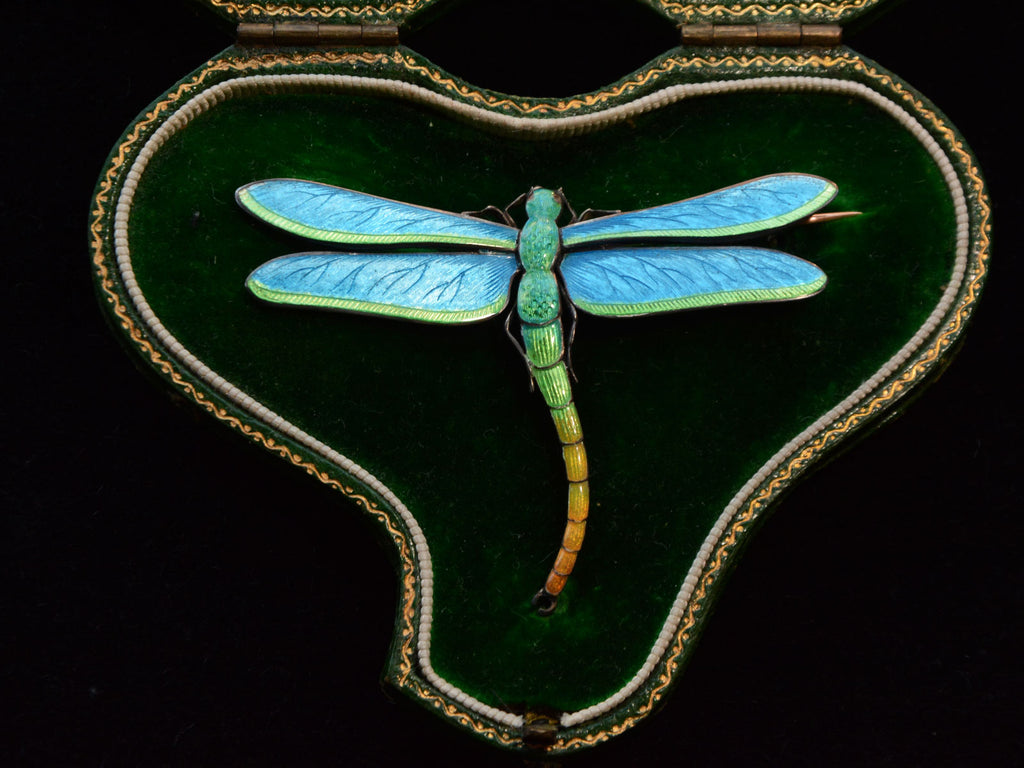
<point x="546" y="127"/>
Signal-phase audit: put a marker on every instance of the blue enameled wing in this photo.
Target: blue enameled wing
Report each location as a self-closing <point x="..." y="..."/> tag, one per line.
<point x="641" y="281"/>
<point x="336" y="215"/>
<point x="754" y="206"/>
<point x="431" y="287"/>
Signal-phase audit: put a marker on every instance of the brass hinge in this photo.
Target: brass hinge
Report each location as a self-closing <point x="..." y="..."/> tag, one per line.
<point x="821" y="35"/>
<point x="313" y="33"/>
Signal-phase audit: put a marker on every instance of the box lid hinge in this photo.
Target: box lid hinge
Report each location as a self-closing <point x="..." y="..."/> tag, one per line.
<point x="820" y="35"/>
<point x="313" y="33"/>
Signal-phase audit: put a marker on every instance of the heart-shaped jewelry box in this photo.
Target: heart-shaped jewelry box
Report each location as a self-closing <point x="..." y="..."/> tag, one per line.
<point x="696" y="422"/>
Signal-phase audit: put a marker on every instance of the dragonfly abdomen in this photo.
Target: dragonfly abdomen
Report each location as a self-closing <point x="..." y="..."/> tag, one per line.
<point x="545" y="353"/>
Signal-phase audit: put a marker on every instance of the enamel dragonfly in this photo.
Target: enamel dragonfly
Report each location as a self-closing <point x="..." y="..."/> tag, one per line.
<point x="417" y="263"/>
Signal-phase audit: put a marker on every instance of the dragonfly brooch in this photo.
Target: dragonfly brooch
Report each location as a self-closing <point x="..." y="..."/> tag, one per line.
<point x="432" y="266"/>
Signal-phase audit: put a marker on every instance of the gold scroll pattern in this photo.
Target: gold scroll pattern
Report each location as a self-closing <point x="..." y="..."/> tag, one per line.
<point x="834" y="12"/>
<point x="243" y="10"/>
<point x="889" y="393"/>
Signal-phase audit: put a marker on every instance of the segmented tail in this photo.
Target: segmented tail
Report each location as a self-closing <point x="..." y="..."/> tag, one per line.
<point x="546" y="356"/>
<point x="567" y="423"/>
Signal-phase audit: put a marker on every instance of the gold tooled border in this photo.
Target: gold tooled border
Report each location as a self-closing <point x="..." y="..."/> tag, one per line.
<point x="834" y="12"/>
<point x="901" y="381"/>
<point x="387" y="10"/>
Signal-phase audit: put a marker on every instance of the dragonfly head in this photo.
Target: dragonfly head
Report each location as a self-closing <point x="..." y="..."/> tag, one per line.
<point x="543" y="204"/>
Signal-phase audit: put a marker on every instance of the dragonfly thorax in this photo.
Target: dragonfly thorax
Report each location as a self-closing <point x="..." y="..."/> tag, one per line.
<point x="537" y="301"/>
<point x="539" y="240"/>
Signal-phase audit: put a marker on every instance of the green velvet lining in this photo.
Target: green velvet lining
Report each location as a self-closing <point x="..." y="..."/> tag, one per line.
<point x="678" y="411"/>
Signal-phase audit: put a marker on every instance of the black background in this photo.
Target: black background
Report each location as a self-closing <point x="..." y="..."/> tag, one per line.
<point x="171" y="595"/>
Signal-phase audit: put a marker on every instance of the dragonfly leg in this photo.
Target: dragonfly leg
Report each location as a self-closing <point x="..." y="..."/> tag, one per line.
<point x="519" y="348"/>
<point x="493" y="209"/>
<point x="513" y="204"/>
<point x="568" y="206"/>
<point x="595" y="213"/>
<point x="572" y="335"/>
